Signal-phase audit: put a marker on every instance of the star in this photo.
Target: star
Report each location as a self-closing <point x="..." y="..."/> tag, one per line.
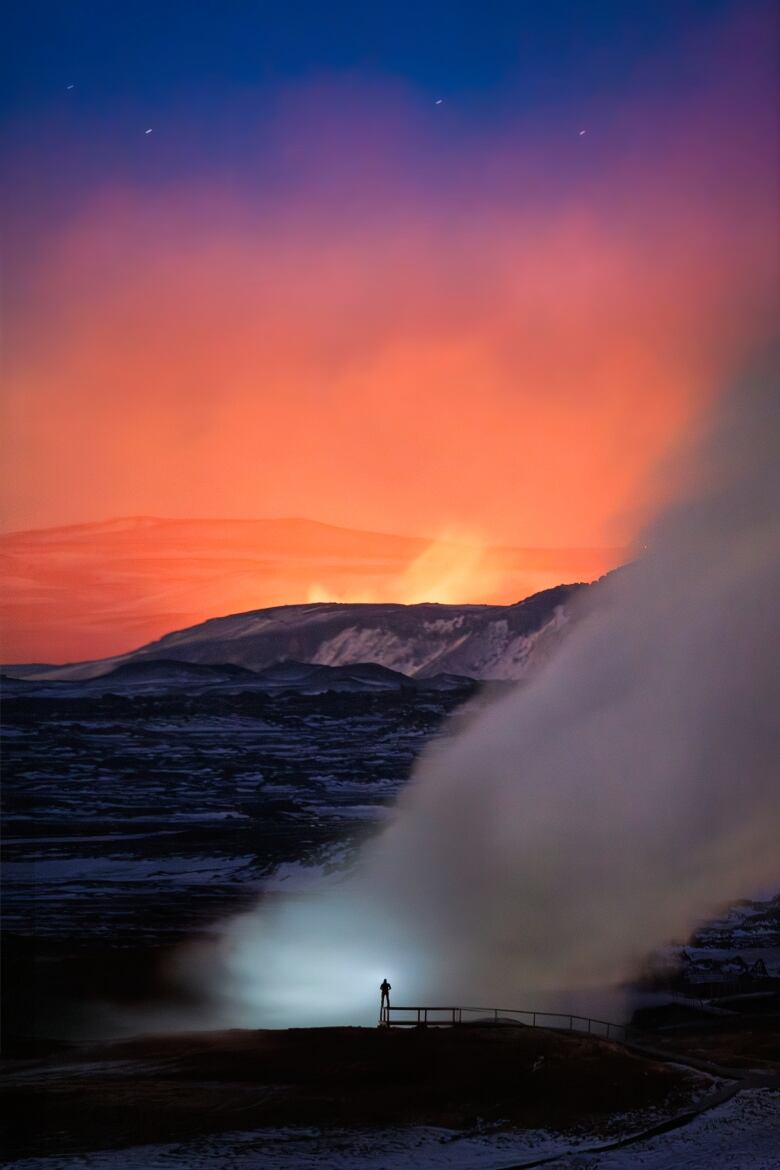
<point x="583" y="132"/>
<point x="71" y="86"/>
<point x="148" y="131"/>
<point x="438" y="101"/>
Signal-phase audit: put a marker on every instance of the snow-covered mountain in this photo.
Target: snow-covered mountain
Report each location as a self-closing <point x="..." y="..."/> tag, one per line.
<point x="478" y="641"/>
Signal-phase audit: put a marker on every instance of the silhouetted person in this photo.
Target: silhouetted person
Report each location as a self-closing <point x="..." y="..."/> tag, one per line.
<point x="384" y="988"/>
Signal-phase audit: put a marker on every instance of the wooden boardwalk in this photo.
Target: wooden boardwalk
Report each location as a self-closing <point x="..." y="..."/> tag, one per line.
<point x="425" y="1016"/>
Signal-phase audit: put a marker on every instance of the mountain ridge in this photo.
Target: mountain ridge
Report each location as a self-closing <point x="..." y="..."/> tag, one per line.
<point x="100" y="589"/>
<point x="419" y="641"/>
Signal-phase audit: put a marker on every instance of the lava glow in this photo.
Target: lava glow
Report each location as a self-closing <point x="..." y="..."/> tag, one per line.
<point x="386" y="320"/>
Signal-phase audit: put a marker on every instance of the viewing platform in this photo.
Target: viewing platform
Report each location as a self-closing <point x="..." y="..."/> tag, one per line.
<point x="404" y="1016"/>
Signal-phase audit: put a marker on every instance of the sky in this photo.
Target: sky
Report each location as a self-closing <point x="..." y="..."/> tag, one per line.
<point x="426" y="269"/>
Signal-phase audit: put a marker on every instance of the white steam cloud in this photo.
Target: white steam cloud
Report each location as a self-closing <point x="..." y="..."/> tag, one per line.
<point x="588" y="816"/>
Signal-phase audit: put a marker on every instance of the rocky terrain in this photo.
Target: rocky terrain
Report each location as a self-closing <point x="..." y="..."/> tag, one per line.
<point x="138" y="814"/>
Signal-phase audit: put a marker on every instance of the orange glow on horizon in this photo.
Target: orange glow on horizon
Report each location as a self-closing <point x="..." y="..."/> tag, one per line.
<point x="379" y="355"/>
<point x="94" y="590"/>
<point x="518" y="380"/>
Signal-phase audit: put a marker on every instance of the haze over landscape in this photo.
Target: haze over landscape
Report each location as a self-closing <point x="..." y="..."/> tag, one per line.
<point x="389" y="564"/>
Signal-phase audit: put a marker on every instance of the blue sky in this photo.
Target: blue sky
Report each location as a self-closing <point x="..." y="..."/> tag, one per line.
<point x="143" y="51"/>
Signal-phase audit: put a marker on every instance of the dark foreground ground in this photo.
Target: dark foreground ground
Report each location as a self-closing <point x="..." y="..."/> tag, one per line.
<point x="741" y="1033"/>
<point x="132" y="824"/>
<point x="172" y="1088"/>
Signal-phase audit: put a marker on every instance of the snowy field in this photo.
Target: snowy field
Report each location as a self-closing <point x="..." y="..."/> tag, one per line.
<point x="741" y="1134"/>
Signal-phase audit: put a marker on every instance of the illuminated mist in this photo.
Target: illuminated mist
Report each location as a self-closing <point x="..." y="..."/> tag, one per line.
<point x="570" y="827"/>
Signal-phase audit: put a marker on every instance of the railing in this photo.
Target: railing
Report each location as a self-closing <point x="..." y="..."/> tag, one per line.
<point x="447" y="1017"/>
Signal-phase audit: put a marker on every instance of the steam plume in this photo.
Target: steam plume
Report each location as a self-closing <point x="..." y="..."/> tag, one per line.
<point x="590" y="815"/>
